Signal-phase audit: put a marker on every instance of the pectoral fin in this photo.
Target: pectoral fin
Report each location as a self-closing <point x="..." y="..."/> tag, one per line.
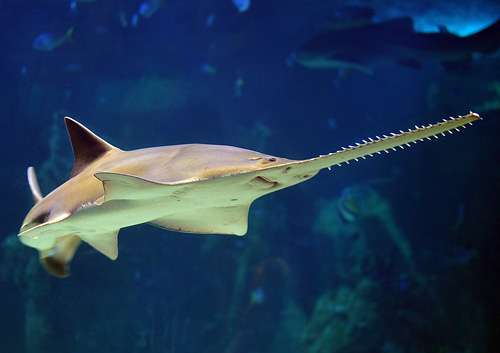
<point x="56" y="260"/>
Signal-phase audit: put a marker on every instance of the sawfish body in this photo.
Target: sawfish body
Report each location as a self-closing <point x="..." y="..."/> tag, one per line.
<point x="187" y="188"/>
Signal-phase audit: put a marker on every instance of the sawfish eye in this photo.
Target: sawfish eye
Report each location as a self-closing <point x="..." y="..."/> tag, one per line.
<point x="41" y="218"/>
<point x="268" y="159"/>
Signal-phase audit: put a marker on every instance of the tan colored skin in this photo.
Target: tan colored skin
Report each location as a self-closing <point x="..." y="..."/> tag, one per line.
<point x="187" y="188"/>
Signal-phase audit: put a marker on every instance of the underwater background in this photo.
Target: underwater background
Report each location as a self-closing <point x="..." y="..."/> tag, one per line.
<point x="396" y="254"/>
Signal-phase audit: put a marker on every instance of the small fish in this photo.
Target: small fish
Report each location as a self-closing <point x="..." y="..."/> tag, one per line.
<point x="331" y="122"/>
<point x="241" y="5"/>
<point x="347" y="209"/>
<point x="257" y="296"/>
<point x="238" y="83"/>
<point x="72" y="4"/>
<point x="209" y="21"/>
<point x="149" y="7"/>
<point x="208" y="69"/>
<point x="48" y="41"/>
<point x="72" y="67"/>
<point x="134" y="20"/>
<point x="123" y="18"/>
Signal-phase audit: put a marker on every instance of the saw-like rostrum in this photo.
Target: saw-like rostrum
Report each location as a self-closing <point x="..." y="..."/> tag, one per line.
<point x="187" y="188"/>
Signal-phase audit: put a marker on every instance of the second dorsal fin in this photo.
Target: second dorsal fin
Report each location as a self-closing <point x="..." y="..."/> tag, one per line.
<point x="87" y="146"/>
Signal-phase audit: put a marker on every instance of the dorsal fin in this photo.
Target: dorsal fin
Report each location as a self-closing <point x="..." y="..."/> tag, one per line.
<point x="87" y="146"/>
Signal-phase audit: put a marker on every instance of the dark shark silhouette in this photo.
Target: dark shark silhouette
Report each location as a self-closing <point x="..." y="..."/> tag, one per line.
<point x="394" y="42"/>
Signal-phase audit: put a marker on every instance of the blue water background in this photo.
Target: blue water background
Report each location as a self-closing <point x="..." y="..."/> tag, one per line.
<point x="148" y="85"/>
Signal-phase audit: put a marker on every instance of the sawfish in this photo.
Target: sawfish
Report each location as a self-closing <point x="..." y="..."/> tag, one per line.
<point x="196" y="188"/>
